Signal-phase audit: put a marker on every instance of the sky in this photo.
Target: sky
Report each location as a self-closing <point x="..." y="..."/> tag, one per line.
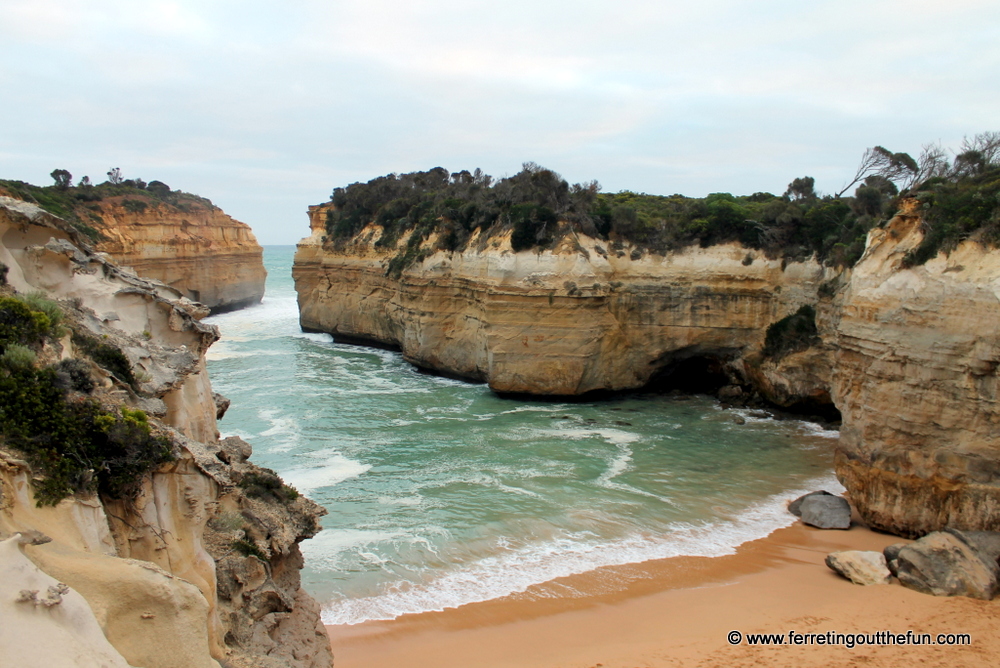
<point x="265" y="107"/>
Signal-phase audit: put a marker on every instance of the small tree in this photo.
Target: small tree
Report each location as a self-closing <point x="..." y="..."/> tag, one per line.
<point x="115" y="176"/>
<point x="803" y="189"/>
<point x="84" y="182"/>
<point x="62" y="178"/>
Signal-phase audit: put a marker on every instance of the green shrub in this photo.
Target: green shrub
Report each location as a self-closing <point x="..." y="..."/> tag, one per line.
<point x="248" y="548"/>
<point x="134" y="205"/>
<point x="74" y="374"/>
<point x="20" y="324"/>
<point x="18" y="356"/>
<point x="792" y="333"/>
<point x="74" y="444"/>
<point x="266" y="485"/>
<point x="107" y="357"/>
<point x="37" y="301"/>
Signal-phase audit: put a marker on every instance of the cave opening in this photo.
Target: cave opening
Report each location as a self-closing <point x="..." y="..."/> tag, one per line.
<point x="700" y="374"/>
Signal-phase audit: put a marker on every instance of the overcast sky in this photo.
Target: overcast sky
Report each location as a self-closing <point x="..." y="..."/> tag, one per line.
<point x="264" y="107"/>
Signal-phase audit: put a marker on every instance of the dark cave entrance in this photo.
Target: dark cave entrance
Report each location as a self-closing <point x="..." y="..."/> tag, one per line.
<point x="701" y="374"/>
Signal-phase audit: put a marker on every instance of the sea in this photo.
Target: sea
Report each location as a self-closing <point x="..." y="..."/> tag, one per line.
<point x="441" y="493"/>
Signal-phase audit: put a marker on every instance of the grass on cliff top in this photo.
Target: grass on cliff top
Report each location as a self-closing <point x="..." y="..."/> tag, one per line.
<point x="80" y="205"/>
<point x="71" y="441"/>
<point x="539" y="208"/>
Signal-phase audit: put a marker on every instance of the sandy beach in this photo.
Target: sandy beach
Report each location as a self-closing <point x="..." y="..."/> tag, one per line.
<point x="679" y="612"/>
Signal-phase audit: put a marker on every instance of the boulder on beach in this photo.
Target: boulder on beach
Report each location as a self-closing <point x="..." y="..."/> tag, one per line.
<point x="952" y="563"/>
<point x="795" y="507"/>
<point x="860" y="567"/>
<point x="826" y="512"/>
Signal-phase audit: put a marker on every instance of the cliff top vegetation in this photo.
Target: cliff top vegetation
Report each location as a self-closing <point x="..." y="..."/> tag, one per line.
<point x="538" y="207"/>
<point x="80" y="204"/>
<point x="53" y="414"/>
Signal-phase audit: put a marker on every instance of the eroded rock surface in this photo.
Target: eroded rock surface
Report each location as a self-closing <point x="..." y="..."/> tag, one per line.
<point x="915" y="378"/>
<point x="154" y="566"/>
<point x="566" y="321"/>
<point x="198" y="249"/>
<point x="860" y="567"/>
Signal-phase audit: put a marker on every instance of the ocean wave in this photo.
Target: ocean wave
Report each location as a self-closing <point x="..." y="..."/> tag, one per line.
<point x="515" y="571"/>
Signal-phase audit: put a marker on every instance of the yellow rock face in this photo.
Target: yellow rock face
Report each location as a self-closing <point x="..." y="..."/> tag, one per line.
<point x="208" y="256"/>
<point x="917" y="352"/>
<point x="578" y="318"/>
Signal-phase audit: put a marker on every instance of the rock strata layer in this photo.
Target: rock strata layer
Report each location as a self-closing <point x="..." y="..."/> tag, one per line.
<point x="580" y="317"/>
<point x="915" y="378"/>
<point x="164" y="571"/>
<point x="197" y="249"/>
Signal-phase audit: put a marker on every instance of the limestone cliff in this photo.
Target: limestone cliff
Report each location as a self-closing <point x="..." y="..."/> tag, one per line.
<point x="580" y="317"/>
<point x="199" y="564"/>
<point x="917" y="352"/>
<point x="199" y="250"/>
<point x="174" y="237"/>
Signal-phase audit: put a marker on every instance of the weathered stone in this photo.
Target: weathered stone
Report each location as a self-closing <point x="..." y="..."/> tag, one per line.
<point x="207" y="255"/>
<point x="563" y="321"/>
<point x="826" y="512"/>
<point x="942" y="563"/>
<point x="860" y="567"/>
<point x="916" y="381"/>
<point x="795" y="507"/>
<point x="891" y="553"/>
<point x="730" y="393"/>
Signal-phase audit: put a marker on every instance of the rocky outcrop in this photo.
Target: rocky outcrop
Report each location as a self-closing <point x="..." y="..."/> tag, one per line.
<point x="952" y="563"/>
<point x="195" y="247"/>
<point x="161" y="569"/>
<point x="580" y="317"/>
<point x="915" y="377"/>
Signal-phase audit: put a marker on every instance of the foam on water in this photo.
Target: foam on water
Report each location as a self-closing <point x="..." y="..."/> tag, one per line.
<point x="330" y="471"/>
<point x="514" y="571"/>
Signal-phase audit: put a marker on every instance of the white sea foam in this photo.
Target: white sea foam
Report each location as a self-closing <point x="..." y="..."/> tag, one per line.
<point x="514" y="571"/>
<point x="329" y="471"/>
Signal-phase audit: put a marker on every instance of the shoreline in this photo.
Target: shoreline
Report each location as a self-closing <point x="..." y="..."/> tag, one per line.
<point x="678" y="612"/>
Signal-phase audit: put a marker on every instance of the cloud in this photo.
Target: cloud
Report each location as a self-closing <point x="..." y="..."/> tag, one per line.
<point x="250" y="98"/>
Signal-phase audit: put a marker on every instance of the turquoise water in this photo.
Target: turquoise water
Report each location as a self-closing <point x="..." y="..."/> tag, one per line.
<point x="441" y="493"/>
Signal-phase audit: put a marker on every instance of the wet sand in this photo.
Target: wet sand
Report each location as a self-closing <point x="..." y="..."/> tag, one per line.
<point x="679" y="612"/>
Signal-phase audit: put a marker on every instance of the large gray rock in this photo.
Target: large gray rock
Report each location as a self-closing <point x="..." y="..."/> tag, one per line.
<point x="795" y="507"/>
<point x="826" y="512"/>
<point x="952" y="563"/>
<point x="863" y="568"/>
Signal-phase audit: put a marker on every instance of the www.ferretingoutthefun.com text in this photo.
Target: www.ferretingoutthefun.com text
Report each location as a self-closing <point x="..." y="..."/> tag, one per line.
<point x="849" y="640"/>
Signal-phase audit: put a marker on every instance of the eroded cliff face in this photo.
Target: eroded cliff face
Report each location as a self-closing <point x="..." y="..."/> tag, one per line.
<point x="909" y="356"/>
<point x="164" y="571"/>
<point x="577" y="318"/>
<point x="917" y="352"/>
<point x="198" y="249"/>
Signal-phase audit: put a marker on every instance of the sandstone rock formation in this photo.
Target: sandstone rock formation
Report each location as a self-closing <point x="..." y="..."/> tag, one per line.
<point x="196" y="248"/>
<point x="163" y="569"/>
<point x="565" y="321"/>
<point x="952" y="563"/>
<point x="44" y="622"/>
<point x="915" y="378"/>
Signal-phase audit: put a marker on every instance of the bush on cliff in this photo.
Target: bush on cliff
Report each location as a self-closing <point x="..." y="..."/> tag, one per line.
<point x="792" y="333"/>
<point x="538" y="208"/>
<point x="72" y="443"/>
<point x="80" y="205"/>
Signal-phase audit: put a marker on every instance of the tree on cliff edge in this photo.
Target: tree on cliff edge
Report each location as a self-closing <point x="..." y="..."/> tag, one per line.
<point x="62" y="178"/>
